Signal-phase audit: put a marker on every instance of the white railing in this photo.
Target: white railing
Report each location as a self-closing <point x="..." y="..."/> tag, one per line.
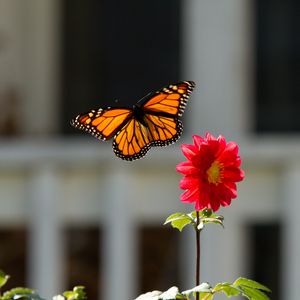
<point x="47" y="184"/>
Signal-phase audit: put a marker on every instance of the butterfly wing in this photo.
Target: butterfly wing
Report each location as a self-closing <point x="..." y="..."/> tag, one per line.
<point x="162" y="111"/>
<point x="133" y="140"/>
<point x="161" y="125"/>
<point x="102" y="123"/>
<point x="156" y="123"/>
<point x="169" y="100"/>
<point x="163" y="130"/>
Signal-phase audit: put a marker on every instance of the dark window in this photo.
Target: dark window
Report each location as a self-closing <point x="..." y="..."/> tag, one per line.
<point x="83" y="259"/>
<point x="117" y="50"/>
<point x="277" y="59"/>
<point x="266" y="258"/>
<point x="159" y="257"/>
<point x="13" y="256"/>
<point x="9" y="113"/>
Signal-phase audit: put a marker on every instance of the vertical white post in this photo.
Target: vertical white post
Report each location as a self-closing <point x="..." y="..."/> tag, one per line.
<point x="216" y="56"/>
<point x="45" y="243"/>
<point x="291" y="232"/>
<point x="40" y="39"/>
<point x="223" y="256"/>
<point x="119" y="239"/>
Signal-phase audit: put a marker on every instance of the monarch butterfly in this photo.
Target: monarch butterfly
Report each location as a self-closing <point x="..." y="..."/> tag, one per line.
<point x="152" y="121"/>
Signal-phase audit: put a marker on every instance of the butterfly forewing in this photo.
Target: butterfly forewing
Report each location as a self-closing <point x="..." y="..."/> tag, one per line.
<point x="102" y="123"/>
<point x="169" y="100"/>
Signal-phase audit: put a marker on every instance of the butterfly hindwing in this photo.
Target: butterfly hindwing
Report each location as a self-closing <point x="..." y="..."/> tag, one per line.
<point x="164" y="130"/>
<point x="133" y="141"/>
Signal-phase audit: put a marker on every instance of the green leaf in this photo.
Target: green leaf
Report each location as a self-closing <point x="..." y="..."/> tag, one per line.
<point x="253" y="294"/>
<point x="3" y="278"/>
<point x="172" y="217"/>
<point x="250" y="283"/>
<point x="21" y="293"/>
<point x="179" y="220"/>
<point x="206" y="216"/>
<point x="77" y="293"/>
<point x="213" y="220"/>
<point x="227" y="289"/>
<point x="205" y="296"/>
<point x="180" y="224"/>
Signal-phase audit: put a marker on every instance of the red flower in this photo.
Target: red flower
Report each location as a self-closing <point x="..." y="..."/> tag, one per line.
<point x="211" y="172"/>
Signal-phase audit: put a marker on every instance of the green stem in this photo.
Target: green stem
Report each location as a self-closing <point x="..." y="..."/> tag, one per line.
<point x="197" y="254"/>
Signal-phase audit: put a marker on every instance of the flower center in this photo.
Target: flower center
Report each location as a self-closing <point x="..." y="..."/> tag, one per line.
<point x="214" y="173"/>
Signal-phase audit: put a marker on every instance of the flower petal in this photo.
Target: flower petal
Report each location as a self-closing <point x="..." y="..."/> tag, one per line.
<point x="186" y="168"/>
<point x="233" y="174"/>
<point x="189" y="151"/>
<point x="231" y="186"/>
<point x="189" y="195"/>
<point x="209" y="137"/>
<point x="222" y="145"/>
<point x="188" y="182"/>
<point x="214" y="204"/>
<point x="198" y="141"/>
<point x="226" y="201"/>
<point x="231" y="151"/>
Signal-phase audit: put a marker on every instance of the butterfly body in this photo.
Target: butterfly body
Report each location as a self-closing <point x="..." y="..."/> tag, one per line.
<point x="139" y="114"/>
<point x="152" y="121"/>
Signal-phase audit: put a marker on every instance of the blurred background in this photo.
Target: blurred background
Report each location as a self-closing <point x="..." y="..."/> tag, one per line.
<point x="72" y="213"/>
